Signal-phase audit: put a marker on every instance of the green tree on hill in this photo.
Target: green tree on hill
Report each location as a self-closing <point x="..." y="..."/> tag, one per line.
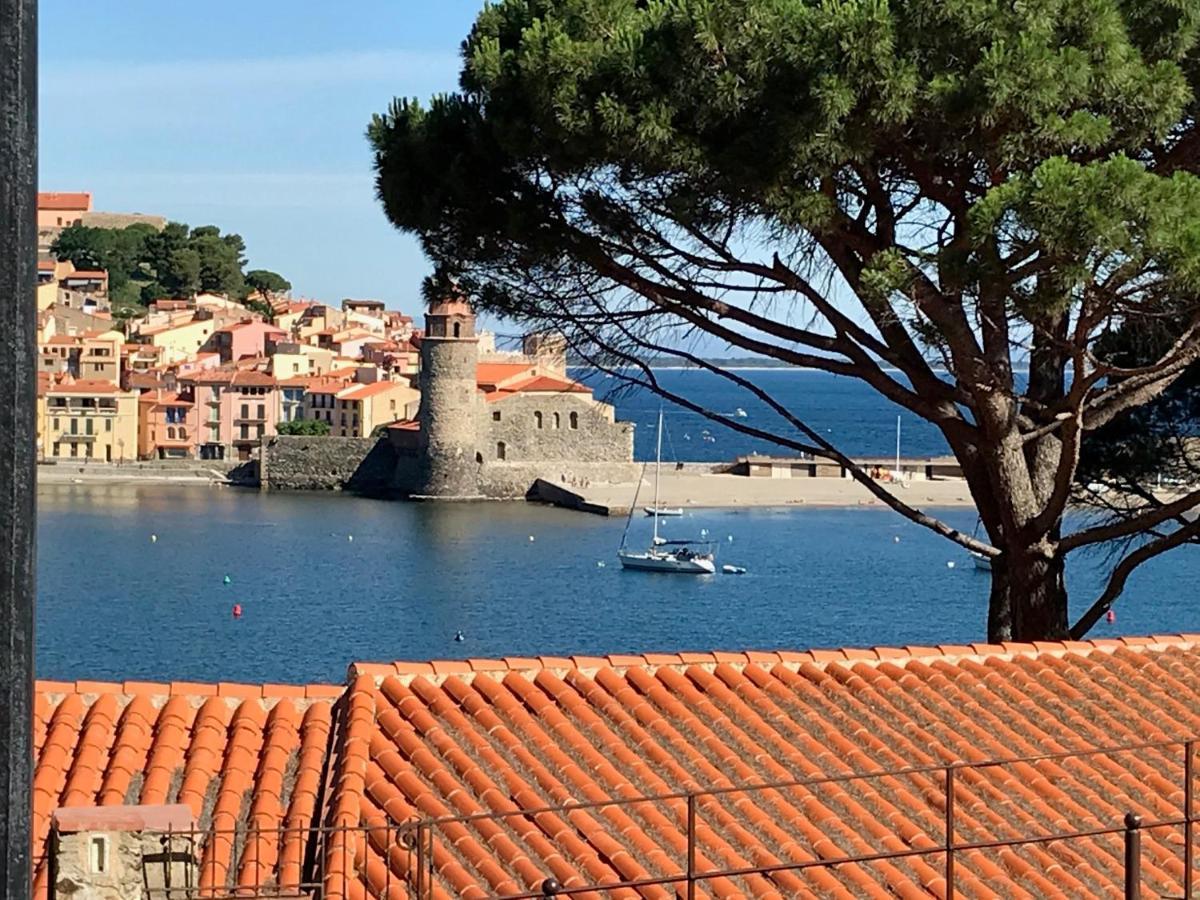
<point x="922" y="195"/>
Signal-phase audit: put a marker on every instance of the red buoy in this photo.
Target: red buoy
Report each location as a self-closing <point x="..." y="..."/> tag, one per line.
<point x="1110" y="616"/>
<point x="237" y="610"/>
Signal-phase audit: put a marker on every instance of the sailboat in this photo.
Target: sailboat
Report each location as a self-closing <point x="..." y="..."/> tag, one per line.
<point x="663" y="555"/>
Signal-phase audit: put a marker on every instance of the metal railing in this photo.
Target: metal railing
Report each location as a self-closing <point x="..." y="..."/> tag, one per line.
<point x="327" y="860"/>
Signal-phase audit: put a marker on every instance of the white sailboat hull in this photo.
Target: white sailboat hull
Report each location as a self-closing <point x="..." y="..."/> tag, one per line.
<point x="982" y="562"/>
<point x="655" y="561"/>
<point x="665" y="511"/>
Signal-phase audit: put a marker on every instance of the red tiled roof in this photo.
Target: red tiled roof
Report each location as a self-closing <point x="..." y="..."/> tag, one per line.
<point x="252" y="378"/>
<point x="458" y="738"/>
<point x="449" y="738"/>
<point x="46" y="265"/>
<point x="86" y="275"/>
<point x="86" y="386"/>
<point x="494" y="374"/>
<point x="363" y="391"/>
<point x="406" y="425"/>
<point x="63" y="200"/>
<point x="230" y="752"/>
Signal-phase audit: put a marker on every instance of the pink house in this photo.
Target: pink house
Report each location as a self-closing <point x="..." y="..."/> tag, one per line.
<point x="252" y="337"/>
<point x="235" y="410"/>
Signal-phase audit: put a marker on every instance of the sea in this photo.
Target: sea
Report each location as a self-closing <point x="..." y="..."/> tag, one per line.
<point x="140" y="581"/>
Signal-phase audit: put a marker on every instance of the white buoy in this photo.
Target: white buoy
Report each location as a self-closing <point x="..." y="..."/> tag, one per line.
<point x="349" y="537"/>
<point x="154" y="538"/>
<point x="600" y="564"/>
<point x="228" y="580"/>
<point x="731" y="539"/>
<point x="531" y="539"/>
<point x="950" y="564"/>
<point x="896" y="539"/>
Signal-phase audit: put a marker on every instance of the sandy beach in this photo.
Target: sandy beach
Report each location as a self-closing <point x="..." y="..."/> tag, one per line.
<point x="713" y="490"/>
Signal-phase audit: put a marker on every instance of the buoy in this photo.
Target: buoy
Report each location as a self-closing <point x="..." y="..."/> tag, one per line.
<point x="237" y="610"/>
<point x="349" y="537"/>
<point x="950" y="564"/>
<point x="896" y="539"/>
<point x="731" y="539"/>
<point x="531" y="539"/>
<point x="1110" y="617"/>
<point x="459" y="636"/>
<point x="228" y="580"/>
<point x="154" y="538"/>
<point x="600" y="564"/>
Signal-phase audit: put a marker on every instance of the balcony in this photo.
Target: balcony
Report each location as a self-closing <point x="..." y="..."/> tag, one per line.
<point x="250" y="420"/>
<point x="76" y="438"/>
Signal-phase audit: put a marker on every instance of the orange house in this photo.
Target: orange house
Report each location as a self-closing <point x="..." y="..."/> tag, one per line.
<point x="58" y="210"/>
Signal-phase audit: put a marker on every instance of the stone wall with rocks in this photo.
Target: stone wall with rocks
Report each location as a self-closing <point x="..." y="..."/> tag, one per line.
<point x="322" y="463"/>
<point x="512" y="480"/>
<point x="536" y="428"/>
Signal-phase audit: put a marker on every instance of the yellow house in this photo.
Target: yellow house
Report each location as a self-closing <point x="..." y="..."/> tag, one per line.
<point x="181" y="341"/>
<point x="292" y="360"/>
<point x="90" y="420"/>
<point x="361" y="408"/>
<point x="100" y="356"/>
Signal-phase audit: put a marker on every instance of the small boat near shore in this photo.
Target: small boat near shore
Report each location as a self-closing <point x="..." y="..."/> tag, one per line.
<point x="665" y="511"/>
<point x="982" y="562"/>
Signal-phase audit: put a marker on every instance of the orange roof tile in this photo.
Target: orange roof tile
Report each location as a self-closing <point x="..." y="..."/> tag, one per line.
<point x="63" y="200"/>
<point x="448" y="739"/>
<point x="86" y="275"/>
<point x="484" y="737"/>
<point x="363" y="391"/>
<point x="46" y="265"/>
<point x="257" y="757"/>
<point x="86" y="386"/>
<point x="496" y="373"/>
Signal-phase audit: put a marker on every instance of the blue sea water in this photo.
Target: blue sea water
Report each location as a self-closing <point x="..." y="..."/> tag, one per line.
<point x="845" y="412"/>
<point x="515" y="579"/>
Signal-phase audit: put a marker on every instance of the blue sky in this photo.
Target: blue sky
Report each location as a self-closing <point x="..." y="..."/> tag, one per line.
<point x="250" y="116"/>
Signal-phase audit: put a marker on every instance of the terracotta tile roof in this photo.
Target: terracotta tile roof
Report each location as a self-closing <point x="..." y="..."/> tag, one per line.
<point x="86" y="386"/>
<point x="495" y="374"/>
<point x="547" y="384"/>
<point x="86" y="275"/>
<point x="252" y="378"/>
<point x="363" y="391"/>
<point x="46" y="265"/>
<point x="405" y="425"/>
<point x="232" y="753"/>
<point x="451" y="738"/>
<point x="63" y="200"/>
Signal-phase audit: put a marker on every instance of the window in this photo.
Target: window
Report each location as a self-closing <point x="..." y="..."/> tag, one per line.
<point x="88" y="426"/>
<point x="501" y="450"/>
<point x="262" y="411"/>
<point x="537" y="419"/>
<point x="245" y="432"/>
<point x="496" y="415"/>
<point x="170" y="433"/>
<point x="457" y="329"/>
<point x="97" y="850"/>
<point x="245" y="410"/>
<point x="574" y="420"/>
<point x="343" y="420"/>
<point x="478" y="458"/>
<point x="183" y="434"/>
<point x="74" y="426"/>
<point x="87" y="450"/>
<point x="56" y="427"/>
<point x="108" y="424"/>
<point x="258" y="430"/>
<point x="557" y="421"/>
<point x="74" y="449"/>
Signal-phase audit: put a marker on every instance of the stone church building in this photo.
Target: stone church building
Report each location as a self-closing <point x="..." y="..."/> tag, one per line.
<point x="489" y="424"/>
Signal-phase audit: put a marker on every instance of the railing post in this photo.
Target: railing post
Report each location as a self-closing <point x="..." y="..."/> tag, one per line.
<point x="949" y="832"/>
<point x="1189" y="861"/>
<point x="420" y="885"/>
<point x="691" y="846"/>
<point x="1133" y="856"/>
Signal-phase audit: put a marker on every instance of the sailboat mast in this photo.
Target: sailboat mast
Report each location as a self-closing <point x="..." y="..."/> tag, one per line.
<point x="657" y="473"/>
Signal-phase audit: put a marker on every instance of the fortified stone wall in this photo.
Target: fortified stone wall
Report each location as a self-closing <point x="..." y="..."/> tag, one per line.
<point x="597" y="439"/>
<point x="448" y="399"/>
<point x="321" y="463"/>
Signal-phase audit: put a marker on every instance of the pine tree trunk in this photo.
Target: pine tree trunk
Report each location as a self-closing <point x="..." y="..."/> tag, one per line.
<point x="1028" y="599"/>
